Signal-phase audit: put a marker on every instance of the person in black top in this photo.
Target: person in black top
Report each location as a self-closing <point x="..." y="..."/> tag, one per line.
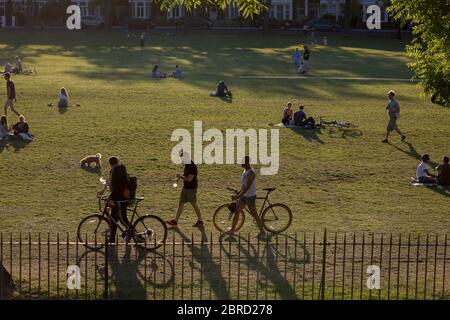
<point x="21" y="129"/>
<point x="305" y="60"/>
<point x="301" y="120"/>
<point x="189" y="192"/>
<point x="118" y="186"/>
<point x="221" y="91"/>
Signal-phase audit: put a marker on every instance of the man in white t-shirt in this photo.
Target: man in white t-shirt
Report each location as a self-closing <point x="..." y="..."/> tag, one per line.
<point x="247" y="197"/>
<point x="422" y="173"/>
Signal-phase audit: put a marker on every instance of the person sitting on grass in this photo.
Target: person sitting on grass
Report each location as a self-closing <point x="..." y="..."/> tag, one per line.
<point x="63" y="98"/>
<point x="422" y="173"/>
<point x="8" y="68"/>
<point x="287" y="114"/>
<point x="156" y="74"/>
<point x="4" y="129"/>
<point x="18" y="68"/>
<point x="221" y="91"/>
<point x="177" y="73"/>
<point x="301" y="120"/>
<point x="444" y="172"/>
<point x="21" y="130"/>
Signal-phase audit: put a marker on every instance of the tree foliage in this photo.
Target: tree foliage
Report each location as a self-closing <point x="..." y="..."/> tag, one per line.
<point x="431" y="45"/>
<point x="248" y="8"/>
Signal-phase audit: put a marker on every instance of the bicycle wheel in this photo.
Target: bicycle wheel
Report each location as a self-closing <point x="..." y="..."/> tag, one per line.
<point x="276" y="218"/>
<point x="93" y="231"/>
<point x="150" y="232"/>
<point x="223" y="218"/>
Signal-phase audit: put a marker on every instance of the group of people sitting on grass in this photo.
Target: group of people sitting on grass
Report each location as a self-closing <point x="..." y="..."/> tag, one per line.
<point x="221" y="91"/>
<point x="301" y="62"/>
<point x="177" y="73"/>
<point x="18" y="131"/>
<point x="298" y="118"/>
<point x="423" y="174"/>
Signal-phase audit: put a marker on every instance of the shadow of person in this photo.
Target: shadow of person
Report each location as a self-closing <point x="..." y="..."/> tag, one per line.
<point x="309" y="134"/>
<point x="211" y="270"/>
<point x="412" y="152"/>
<point x="62" y="110"/>
<point x="3" y="145"/>
<point x="263" y="257"/>
<point x="18" y="144"/>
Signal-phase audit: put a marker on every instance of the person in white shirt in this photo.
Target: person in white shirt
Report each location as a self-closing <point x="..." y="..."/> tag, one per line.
<point x="247" y="197"/>
<point x="422" y="173"/>
<point x="63" y="98"/>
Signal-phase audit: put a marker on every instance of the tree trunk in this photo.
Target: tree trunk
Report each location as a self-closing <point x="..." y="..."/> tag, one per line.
<point x="108" y="15"/>
<point x="8" y="13"/>
<point x="30" y="14"/>
<point x="266" y="26"/>
<point x="7" y="284"/>
<point x="347" y="14"/>
<point x="187" y="21"/>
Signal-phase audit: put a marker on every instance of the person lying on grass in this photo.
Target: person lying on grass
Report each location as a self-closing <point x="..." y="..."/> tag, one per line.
<point x="4" y="128"/>
<point x="156" y="74"/>
<point x="301" y="120"/>
<point x="287" y="114"/>
<point x="63" y="98"/>
<point x="221" y="90"/>
<point x="21" y="130"/>
<point x="422" y="173"/>
<point x="444" y="172"/>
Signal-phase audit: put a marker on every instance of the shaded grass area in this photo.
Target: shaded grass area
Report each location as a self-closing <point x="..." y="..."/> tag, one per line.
<point x="339" y="179"/>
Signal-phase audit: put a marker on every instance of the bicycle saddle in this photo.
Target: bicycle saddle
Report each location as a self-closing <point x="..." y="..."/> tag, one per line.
<point x="270" y="189"/>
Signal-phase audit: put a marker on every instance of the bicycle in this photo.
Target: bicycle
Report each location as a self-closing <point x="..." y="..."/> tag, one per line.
<point x="149" y="232"/>
<point x="340" y="124"/>
<point x="275" y="217"/>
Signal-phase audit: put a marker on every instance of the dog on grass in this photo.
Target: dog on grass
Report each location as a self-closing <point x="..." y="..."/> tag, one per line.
<point x="89" y="160"/>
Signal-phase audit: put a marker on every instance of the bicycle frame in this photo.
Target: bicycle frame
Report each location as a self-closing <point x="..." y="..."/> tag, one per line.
<point x="118" y="204"/>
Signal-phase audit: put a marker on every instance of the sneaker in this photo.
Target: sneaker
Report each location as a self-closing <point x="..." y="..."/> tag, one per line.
<point x="403" y="138"/>
<point x="198" y="224"/>
<point x="385" y="141"/>
<point x="172" y="223"/>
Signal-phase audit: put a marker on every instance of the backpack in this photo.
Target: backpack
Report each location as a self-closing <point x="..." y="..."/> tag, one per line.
<point x="132" y="186"/>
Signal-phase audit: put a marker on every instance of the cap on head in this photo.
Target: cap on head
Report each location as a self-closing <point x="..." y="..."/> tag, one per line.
<point x="391" y="93"/>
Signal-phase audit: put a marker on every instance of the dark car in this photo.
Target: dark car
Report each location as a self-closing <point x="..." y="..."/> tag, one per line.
<point x="273" y="24"/>
<point x="195" y="22"/>
<point x="140" y="24"/>
<point x="324" y="25"/>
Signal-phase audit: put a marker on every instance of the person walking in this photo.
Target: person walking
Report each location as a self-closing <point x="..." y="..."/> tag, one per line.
<point x="10" y="94"/>
<point x="189" y="192"/>
<point x="393" y="110"/>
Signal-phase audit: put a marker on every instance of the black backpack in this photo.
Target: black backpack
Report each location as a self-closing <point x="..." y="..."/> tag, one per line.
<point x="132" y="187"/>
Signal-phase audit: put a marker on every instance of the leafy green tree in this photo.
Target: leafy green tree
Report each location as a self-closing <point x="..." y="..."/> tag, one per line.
<point x="430" y="47"/>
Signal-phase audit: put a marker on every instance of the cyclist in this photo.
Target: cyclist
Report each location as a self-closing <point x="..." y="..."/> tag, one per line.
<point x="118" y="184"/>
<point x="247" y="197"/>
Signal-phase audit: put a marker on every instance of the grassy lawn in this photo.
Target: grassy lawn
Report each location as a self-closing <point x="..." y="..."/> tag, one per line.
<point x="340" y="180"/>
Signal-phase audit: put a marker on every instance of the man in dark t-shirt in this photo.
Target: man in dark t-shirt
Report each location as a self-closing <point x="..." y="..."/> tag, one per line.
<point x="189" y="192"/>
<point x="10" y="94"/>
<point x="444" y="172"/>
<point x="306" y="60"/>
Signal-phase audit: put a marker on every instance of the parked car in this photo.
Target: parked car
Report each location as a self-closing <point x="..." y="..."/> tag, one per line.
<point x="324" y="25"/>
<point x="140" y="24"/>
<point x="196" y="23"/>
<point x="93" y="22"/>
<point x="273" y="24"/>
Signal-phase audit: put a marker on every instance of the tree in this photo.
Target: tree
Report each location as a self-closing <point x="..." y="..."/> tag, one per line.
<point x="30" y="13"/>
<point x="430" y="47"/>
<point x="248" y="8"/>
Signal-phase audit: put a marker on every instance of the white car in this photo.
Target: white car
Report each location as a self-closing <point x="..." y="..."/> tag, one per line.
<point x="92" y="21"/>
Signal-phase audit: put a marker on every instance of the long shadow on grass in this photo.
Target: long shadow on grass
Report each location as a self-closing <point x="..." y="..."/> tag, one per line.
<point x="17" y="145"/>
<point x="309" y="134"/>
<point x="268" y="259"/>
<point x="209" y="268"/>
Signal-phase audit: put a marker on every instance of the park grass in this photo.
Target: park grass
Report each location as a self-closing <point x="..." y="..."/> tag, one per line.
<point x="344" y="181"/>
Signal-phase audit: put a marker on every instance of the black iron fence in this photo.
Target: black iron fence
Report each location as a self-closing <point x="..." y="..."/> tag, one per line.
<point x="205" y="266"/>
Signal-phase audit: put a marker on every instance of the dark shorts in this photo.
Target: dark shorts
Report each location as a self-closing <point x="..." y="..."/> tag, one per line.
<point x="188" y="195"/>
<point x="142" y="43"/>
<point x="248" y="201"/>
<point x="392" y="124"/>
<point x="426" y="180"/>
